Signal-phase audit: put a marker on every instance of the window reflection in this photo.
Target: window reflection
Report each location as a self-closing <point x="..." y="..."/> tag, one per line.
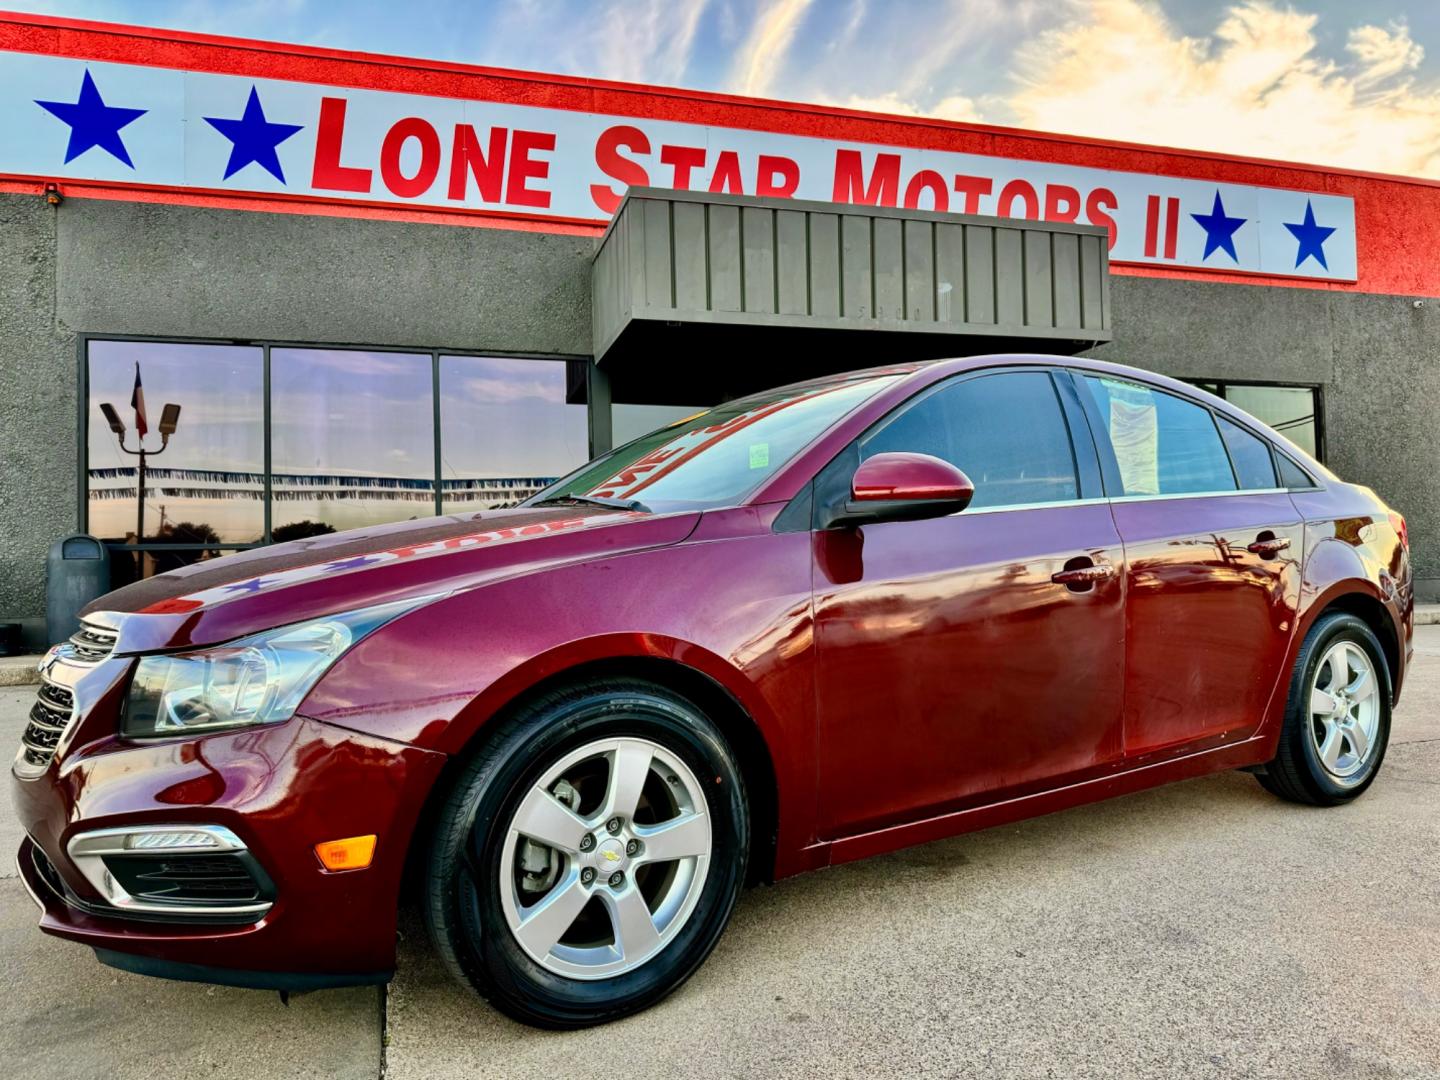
<point x="130" y="566"/>
<point x="631" y="421"/>
<point x="352" y="439"/>
<point x="207" y="484"/>
<point x="505" y="430"/>
<point x="353" y="442"/>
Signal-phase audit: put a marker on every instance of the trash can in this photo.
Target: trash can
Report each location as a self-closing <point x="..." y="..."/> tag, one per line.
<point x="77" y="570"/>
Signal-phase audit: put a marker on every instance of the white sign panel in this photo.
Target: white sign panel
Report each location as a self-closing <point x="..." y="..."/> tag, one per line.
<point x="72" y="119"/>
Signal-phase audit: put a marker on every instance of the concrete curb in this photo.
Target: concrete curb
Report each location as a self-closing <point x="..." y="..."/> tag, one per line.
<point x="19" y="670"/>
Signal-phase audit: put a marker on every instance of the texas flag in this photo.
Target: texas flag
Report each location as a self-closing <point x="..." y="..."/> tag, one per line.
<point x="137" y="402"/>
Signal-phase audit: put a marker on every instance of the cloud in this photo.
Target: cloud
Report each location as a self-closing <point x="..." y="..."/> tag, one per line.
<point x="1383" y="53"/>
<point x="500" y="390"/>
<point x="642" y="40"/>
<point x="764" y="50"/>
<point x="649" y="41"/>
<point x="1257" y="85"/>
<point x="954" y="107"/>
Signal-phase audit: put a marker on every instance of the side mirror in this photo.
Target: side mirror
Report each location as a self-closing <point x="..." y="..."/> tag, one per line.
<point x="904" y="487"/>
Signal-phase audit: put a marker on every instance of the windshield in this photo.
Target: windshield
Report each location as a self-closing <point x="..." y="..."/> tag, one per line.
<point x="718" y="457"/>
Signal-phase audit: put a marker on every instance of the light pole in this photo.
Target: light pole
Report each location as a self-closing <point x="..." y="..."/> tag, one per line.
<point x="169" y="420"/>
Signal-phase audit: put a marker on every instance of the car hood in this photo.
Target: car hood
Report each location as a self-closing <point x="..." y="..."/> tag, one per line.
<point x="221" y="599"/>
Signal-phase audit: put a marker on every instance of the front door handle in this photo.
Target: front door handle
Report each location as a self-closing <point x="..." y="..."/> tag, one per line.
<point x="1267" y="547"/>
<point x="1082" y="578"/>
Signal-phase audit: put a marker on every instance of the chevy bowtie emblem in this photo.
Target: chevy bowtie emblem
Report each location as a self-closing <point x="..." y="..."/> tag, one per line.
<point x="611" y="856"/>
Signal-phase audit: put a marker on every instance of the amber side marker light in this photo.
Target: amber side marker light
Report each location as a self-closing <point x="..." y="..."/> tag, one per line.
<point x="352" y="853"/>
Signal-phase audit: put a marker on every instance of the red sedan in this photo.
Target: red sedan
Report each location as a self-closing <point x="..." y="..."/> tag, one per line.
<point x="808" y="626"/>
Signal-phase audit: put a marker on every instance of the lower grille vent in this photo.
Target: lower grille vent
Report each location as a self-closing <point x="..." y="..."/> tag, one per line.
<point x="187" y="879"/>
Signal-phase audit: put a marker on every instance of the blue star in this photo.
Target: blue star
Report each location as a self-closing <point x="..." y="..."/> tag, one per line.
<point x="93" y="123"/>
<point x="1312" y="238"/>
<point x="351" y="564"/>
<point x="253" y="585"/>
<point x="1219" y="229"/>
<point x="253" y="138"/>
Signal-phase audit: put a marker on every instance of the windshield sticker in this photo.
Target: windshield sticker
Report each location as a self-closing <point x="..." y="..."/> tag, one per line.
<point x="759" y="455"/>
<point x="1134" y="434"/>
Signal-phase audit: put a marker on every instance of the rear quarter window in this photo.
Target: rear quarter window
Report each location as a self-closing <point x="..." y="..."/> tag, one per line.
<point x="1250" y="454"/>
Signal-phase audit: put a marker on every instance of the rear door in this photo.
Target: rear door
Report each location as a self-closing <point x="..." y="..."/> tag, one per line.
<point x="1212" y="547"/>
<point x="953" y="668"/>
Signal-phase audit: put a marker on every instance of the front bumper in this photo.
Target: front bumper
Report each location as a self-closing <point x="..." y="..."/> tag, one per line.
<point x="280" y="790"/>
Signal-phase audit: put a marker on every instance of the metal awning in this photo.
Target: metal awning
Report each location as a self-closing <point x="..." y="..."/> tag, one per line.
<point x="699" y="297"/>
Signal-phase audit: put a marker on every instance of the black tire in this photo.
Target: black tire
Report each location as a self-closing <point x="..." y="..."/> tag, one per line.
<point x="1296" y="773"/>
<point x="467" y="921"/>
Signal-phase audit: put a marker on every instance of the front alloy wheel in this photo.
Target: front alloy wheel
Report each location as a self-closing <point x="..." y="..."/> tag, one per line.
<point x="589" y="854"/>
<point x="608" y="854"/>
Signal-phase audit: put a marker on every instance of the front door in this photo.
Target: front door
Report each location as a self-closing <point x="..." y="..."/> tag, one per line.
<point x="1213" y="549"/>
<point x="953" y="668"/>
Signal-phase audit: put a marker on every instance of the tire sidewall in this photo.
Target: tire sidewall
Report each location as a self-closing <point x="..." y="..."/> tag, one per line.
<point x="484" y="946"/>
<point x="1331" y="629"/>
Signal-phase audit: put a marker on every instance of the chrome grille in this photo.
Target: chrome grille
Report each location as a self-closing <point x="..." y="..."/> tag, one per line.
<point x="91" y="643"/>
<point x="54" y="706"/>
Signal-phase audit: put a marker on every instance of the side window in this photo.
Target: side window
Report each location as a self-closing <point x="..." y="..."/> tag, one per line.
<point x="1164" y="445"/>
<point x="1006" y="432"/>
<point x="1292" y="476"/>
<point x="1250" y="455"/>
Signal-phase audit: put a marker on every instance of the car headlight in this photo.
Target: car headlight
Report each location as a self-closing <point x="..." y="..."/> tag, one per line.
<point x="256" y="680"/>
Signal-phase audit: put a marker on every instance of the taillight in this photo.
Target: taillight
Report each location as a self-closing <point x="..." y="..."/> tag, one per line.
<point x="1397" y="522"/>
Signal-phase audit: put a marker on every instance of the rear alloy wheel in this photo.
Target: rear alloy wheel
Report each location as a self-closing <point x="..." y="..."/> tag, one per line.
<point x="1344" y="710"/>
<point x="589" y="855"/>
<point x="1337" y="720"/>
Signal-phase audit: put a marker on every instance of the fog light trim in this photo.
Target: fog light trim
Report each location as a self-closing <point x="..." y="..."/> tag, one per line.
<point x="88" y="851"/>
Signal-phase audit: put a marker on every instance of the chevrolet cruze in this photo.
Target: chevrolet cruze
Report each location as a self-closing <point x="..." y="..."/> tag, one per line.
<point x="808" y="626"/>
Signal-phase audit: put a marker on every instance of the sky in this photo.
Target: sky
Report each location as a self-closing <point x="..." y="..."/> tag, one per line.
<point x="1324" y="81"/>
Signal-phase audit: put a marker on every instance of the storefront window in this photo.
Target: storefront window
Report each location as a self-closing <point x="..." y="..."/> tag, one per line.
<point x="352" y="440"/>
<point x="204" y="484"/>
<point x="1293" y="411"/>
<point x="506" y="431"/>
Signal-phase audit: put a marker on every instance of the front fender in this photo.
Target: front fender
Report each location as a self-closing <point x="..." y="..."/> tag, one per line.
<point x="735" y="609"/>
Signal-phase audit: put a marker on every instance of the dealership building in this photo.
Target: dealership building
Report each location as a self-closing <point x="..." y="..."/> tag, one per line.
<point x="380" y="288"/>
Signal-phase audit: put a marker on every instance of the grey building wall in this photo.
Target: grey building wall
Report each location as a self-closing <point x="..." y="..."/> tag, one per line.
<point x="100" y="267"/>
<point x="37" y="407"/>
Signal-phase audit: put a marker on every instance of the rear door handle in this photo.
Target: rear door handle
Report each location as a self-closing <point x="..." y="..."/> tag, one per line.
<point x="1267" y="547"/>
<point x="1081" y="578"/>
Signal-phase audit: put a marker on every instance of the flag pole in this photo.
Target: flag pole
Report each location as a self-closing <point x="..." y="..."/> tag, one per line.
<point x="140" y="504"/>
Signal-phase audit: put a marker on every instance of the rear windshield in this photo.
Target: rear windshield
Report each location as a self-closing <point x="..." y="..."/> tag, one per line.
<point x="717" y="457"/>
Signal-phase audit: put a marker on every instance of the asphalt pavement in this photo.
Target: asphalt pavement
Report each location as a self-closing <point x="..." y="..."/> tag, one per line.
<point x="1204" y="929"/>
